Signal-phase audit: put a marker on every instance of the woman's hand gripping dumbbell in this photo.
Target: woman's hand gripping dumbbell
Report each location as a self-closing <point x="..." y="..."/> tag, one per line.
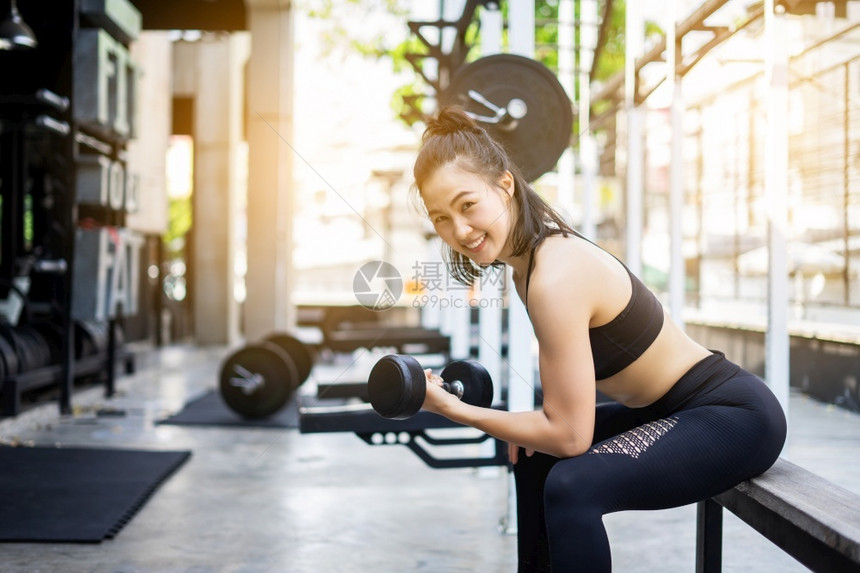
<point x="397" y="386"/>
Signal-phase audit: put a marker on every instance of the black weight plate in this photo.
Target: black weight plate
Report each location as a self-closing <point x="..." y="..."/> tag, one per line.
<point x="396" y="386"/>
<point x="22" y="348"/>
<point x="258" y="380"/>
<point x="298" y="351"/>
<point x="99" y="329"/>
<point x="477" y="383"/>
<point x="53" y="335"/>
<point x="7" y="355"/>
<point x="37" y="346"/>
<point x="88" y="339"/>
<point x="537" y="140"/>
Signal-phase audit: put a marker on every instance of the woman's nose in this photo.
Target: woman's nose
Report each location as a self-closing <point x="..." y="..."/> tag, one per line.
<point x="462" y="229"/>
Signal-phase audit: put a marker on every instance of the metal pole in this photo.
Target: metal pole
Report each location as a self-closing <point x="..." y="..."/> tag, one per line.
<point x="566" y="64"/>
<point x="635" y="182"/>
<point x="491" y="30"/>
<point x="490" y="314"/>
<point x="846" y="182"/>
<point x="676" y="168"/>
<point x="521" y="27"/>
<point x="459" y="313"/>
<point x="521" y="35"/>
<point x="776" y="192"/>
<point x="709" y="537"/>
<point x="587" y="146"/>
<point x="432" y="315"/>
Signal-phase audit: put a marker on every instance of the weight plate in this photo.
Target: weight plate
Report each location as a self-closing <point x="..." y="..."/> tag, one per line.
<point x="258" y="380"/>
<point x="37" y="347"/>
<point x="8" y="356"/>
<point x="53" y="335"/>
<point x="476" y="381"/>
<point x="22" y="348"/>
<point x="90" y="338"/>
<point x="396" y="386"/>
<point x="529" y="91"/>
<point x="298" y="351"/>
<point x="99" y="329"/>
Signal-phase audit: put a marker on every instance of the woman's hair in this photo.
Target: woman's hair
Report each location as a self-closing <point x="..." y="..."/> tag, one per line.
<point x="454" y="137"/>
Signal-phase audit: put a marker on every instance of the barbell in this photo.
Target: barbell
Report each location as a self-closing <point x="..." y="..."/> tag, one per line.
<point x="520" y="103"/>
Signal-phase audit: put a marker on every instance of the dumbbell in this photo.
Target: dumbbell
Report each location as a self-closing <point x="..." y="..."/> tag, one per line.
<point x="397" y="385"/>
<point x="257" y="380"/>
<point x="298" y="351"/>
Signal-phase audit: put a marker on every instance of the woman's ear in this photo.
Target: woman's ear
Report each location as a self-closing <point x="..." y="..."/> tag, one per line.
<point x="506" y="182"/>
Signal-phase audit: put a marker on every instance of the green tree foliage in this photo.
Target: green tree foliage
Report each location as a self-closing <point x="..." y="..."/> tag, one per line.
<point x="546" y="33"/>
<point x="611" y="58"/>
<point x="178" y="225"/>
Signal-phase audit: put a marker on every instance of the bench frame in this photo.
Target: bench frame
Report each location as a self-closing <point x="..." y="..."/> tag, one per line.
<point x="815" y="521"/>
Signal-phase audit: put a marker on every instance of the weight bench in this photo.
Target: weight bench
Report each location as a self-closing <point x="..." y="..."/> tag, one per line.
<point x="343" y="389"/>
<point x="407" y="340"/>
<point x="813" y="520"/>
<point x="373" y="429"/>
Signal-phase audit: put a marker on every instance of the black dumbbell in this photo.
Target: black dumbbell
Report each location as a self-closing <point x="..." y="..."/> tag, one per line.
<point x="397" y="385"/>
<point x="257" y="380"/>
<point x="301" y="354"/>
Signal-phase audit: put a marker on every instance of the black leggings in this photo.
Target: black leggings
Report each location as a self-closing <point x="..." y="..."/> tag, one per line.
<point x="716" y="427"/>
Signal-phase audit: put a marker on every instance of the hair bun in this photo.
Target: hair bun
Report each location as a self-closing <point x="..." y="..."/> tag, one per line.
<point x="449" y="120"/>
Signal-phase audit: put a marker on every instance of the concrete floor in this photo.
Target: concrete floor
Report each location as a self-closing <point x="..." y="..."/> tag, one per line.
<point x="263" y="500"/>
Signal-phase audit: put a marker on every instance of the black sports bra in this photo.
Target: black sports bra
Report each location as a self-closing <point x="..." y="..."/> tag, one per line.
<point x="616" y="344"/>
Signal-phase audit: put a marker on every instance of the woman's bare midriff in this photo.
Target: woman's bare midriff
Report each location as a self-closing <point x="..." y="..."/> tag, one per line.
<point x="647" y="379"/>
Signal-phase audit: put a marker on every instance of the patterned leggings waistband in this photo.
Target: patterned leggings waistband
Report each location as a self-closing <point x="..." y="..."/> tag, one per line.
<point x="705" y="375"/>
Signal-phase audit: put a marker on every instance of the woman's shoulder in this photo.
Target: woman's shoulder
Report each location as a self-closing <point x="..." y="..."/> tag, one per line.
<point x="561" y="262"/>
<point x="577" y="268"/>
<point x="559" y="255"/>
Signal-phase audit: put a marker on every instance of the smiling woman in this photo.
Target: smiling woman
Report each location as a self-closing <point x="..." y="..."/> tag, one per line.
<point x="685" y="423"/>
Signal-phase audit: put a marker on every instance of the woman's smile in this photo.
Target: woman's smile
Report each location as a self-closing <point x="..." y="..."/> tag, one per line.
<point x="476" y="245"/>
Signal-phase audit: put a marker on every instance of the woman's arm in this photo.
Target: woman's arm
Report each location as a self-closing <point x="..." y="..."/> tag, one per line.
<point x="564" y="427"/>
<point x="533" y="430"/>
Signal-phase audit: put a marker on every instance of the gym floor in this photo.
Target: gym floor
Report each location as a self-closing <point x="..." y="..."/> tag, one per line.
<point x="263" y="500"/>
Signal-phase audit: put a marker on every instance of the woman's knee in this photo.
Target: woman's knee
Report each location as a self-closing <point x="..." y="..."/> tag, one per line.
<point x="573" y="482"/>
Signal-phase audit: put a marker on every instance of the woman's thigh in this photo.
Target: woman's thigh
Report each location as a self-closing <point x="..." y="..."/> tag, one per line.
<point x="680" y="459"/>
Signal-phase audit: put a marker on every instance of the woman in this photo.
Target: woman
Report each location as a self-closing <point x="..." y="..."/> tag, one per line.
<point x="686" y="423"/>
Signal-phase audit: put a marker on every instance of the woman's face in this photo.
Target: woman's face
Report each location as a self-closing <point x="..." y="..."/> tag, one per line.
<point x="472" y="216"/>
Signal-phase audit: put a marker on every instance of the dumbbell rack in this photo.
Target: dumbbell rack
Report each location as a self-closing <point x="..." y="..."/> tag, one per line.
<point x="375" y="430"/>
<point x="41" y="142"/>
<point x="102" y="363"/>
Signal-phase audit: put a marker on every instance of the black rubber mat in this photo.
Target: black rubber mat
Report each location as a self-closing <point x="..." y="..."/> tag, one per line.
<point x="210" y="410"/>
<point x="76" y="494"/>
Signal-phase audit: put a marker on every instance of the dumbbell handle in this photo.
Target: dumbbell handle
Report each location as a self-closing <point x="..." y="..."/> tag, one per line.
<point x="454" y="387"/>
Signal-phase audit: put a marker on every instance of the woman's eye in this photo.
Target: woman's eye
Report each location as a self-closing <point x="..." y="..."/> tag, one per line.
<point x="438" y="220"/>
<point x="466" y="206"/>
